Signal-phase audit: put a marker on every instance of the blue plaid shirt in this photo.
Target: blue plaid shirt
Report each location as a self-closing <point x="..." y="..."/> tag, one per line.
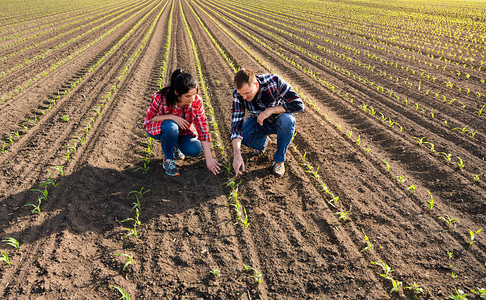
<point x="274" y="91"/>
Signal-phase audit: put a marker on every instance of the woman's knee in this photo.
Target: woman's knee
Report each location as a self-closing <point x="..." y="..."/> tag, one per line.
<point x="193" y="148"/>
<point x="169" y="127"/>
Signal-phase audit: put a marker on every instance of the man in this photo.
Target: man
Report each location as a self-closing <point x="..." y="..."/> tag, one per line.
<point x="271" y="103"/>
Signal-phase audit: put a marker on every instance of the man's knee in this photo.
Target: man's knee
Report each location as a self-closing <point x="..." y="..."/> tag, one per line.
<point x="286" y="121"/>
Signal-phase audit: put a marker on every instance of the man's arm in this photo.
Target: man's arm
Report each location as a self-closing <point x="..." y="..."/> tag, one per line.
<point x="268" y="112"/>
<point x="237" y="158"/>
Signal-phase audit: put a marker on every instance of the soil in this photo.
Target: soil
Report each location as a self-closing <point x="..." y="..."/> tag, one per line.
<point x="296" y="240"/>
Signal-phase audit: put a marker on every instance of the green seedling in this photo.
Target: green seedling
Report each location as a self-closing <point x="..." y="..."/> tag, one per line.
<point x="399" y="178"/>
<point x="412" y="188"/>
<point x="333" y="201"/>
<point x="449" y="220"/>
<point x="459" y="295"/>
<point x="251" y="270"/>
<point x="10" y="241"/>
<point x="36" y="208"/>
<point x="50" y="180"/>
<point x="370" y="244"/>
<point x="460" y="164"/>
<point x="138" y="195"/>
<point x="476" y="176"/>
<point x="415" y="289"/>
<point x="420" y="141"/>
<point x="481" y="292"/>
<point x="145" y="168"/>
<point x="128" y="258"/>
<point x="430" y="202"/>
<point x="5" y="258"/>
<point x="386" y="268"/>
<point x="387" y="166"/>
<point x="3" y="149"/>
<point x="342" y="215"/>
<point x="216" y="273"/>
<point x="124" y="294"/>
<point x="136" y="223"/>
<point x="463" y="130"/>
<point x="473" y="235"/>
<point x="447" y="156"/>
<point x="65" y="118"/>
<point x="60" y="169"/>
<point x="396" y="285"/>
<point x="43" y="194"/>
<point x="450" y="255"/>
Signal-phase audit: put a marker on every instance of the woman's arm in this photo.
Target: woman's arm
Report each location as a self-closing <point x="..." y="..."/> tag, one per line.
<point x="212" y="164"/>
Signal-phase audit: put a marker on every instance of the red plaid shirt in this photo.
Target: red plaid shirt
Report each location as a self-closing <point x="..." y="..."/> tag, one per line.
<point x="193" y="113"/>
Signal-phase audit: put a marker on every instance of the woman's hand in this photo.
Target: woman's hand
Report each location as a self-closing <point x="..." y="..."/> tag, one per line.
<point x="213" y="165"/>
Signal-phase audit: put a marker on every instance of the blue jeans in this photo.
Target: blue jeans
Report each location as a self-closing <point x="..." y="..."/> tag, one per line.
<point x="254" y="135"/>
<point x="169" y="139"/>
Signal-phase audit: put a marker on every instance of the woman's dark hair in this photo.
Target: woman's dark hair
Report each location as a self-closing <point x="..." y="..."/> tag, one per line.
<point x="181" y="83"/>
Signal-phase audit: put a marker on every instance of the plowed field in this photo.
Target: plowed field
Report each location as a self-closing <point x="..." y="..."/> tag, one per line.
<point x="385" y="170"/>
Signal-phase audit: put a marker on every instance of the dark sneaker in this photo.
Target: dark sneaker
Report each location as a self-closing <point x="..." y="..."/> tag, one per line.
<point x="265" y="147"/>
<point x="178" y="155"/>
<point x="170" y="167"/>
<point x="278" y="169"/>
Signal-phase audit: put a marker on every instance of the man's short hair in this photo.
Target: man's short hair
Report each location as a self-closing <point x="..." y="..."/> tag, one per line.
<point x="244" y="76"/>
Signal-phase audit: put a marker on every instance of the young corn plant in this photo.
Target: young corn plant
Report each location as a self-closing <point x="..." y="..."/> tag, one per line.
<point x="35" y="208"/>
<point x="124" y="294"/>
<point x="430" y="202"/>
<point x="43" y="194"/>
<point x="138" y="195"/>
<point x="10" y="241"/>
<point x="51" y="181"/>
<point x="449" y="221"/>
<point x="251" y="271"/>
<point x="368" y="241"/>
<point x="459" y="295"/>
<point x="343" y="215"/>
<point x="473" y="234"/>
<point x="5" y="258"/>
<point x="136" y="224"/>
<point x="215" y="273"/>
<point x="415" y="289"/>
<point x="128" y="260"/>
<point x="481" y="292"/>
<point x="395" y="285"/>
<point x="386" y="268"/>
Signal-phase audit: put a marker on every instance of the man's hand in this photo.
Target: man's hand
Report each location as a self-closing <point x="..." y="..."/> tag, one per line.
<point x="264" y="115"/>
<point x="237" y="164"/>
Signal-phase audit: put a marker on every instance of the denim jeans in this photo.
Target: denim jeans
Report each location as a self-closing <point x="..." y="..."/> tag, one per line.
<point x="254" y="135"/>
<point x="169" y="139"/>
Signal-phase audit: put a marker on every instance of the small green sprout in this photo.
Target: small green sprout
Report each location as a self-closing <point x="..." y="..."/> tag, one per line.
<point x="5" y="258"/>
<point x="473" y="235"/>
<point x="342" y="215"/>
<point x="450" y="255"/>
<point x="481" y="292"/>
<point x="258" y="275"/>
<point x="460" y="163"/>
<point x="415" y="289"/>
<point x="420" y="141"/>
<point x="60" y="169"/>
<point x="50" y="180"/>
<point x="430" y="202"/>
<point x="476" y="176"/>
<point x="412" y="188"/>
<point x="124" y="294"/>
<point x="36" y="208"/>
<point x="65" y="118"/>
<point x="396" y="285"/>
<point x="459" y="295"/>
<point x="43" y="194"/>
<point x="387" y="166"/>
<point x="368" y="241"/>
<point x="386" y="268"/>
<point x="12" y="242"/>
<point x="448" y="220"/>
<point x="216" y="273"/>
<point x="128" y="258"/>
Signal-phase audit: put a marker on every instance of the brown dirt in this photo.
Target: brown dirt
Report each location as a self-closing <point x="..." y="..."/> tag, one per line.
<point x="295" y="239"/>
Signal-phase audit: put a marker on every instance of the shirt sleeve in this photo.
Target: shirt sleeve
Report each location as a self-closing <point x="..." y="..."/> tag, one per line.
<point x="238" y="112"/>
<point x="200" y="121"/>
<point x="150" y="113"/>
<point x="292" y="102"/>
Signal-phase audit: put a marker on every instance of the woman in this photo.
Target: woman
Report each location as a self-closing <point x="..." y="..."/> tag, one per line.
<point x="169" y="117"/>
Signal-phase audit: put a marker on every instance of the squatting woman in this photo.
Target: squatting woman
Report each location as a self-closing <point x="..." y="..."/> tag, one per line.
<point x="176" y="118"/>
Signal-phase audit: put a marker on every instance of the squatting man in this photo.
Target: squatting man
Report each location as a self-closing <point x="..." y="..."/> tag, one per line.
<point x="271" y="103"/>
